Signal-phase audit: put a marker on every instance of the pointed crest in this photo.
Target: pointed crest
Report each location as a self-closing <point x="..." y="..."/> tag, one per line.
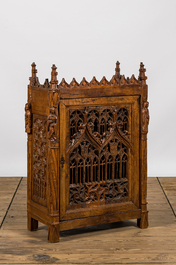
<point x="46" y="84"/>
<point x="94" y="82"/>
<point x="104" y="81"/>
<point x="84" y="82"/>
<point x="113" y="81"/>
<point x="123" y="81"/>
<point x="133" y="80"/>
<point x="63" y="83"/>
<point x="74" y="83"/>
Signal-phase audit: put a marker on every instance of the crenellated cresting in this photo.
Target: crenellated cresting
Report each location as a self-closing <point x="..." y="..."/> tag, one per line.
<point x="116" y="80"/>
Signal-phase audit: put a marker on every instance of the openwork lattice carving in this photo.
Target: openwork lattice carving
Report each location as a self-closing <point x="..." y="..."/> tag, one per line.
<point x="110" y="192"/>
<point x="98" y="152"/>
<point x="39" y="160"/>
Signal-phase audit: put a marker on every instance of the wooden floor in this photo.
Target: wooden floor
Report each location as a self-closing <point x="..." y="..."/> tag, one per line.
<point x="117" y="243"/>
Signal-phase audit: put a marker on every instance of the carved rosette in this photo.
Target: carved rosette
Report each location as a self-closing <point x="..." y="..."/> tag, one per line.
<point x="28" y="118"/>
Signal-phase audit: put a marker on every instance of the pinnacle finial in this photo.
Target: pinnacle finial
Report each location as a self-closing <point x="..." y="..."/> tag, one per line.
<point x="117" y="70"/>
<point x="34" y="79"/>
<point x="142" y="70"/>
<point x="34" y="70"/>
<point x="54" y="80"/>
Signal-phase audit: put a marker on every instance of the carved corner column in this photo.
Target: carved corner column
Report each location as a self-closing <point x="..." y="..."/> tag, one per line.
<point x="143" y="221"/>
<point x="32" y="224"/>
<point x="52" y="159"/>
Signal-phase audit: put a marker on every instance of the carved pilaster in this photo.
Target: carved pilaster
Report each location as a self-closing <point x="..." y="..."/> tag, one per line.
<point x="53" y="156"/>
<point x="143" y="221"/>
<point x="28" y="118"/>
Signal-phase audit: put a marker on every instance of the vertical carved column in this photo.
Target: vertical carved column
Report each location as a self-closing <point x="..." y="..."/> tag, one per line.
<point x="143" y="221"/>
<point x="31" y="223"/>
<point x="53" y="158"/>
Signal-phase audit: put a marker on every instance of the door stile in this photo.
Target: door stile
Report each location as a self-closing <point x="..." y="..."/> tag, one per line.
<point x="63" y="166"/>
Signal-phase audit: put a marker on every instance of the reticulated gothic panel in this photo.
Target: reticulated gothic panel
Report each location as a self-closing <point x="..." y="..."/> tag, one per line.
<point x="98" y="154"/>
<point x="39" y="160"/>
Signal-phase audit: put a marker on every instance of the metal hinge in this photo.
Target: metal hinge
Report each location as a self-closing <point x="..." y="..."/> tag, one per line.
<point x="62" y="161"/>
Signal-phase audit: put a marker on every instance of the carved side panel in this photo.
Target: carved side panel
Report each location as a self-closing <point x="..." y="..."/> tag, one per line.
<point x="98" y="154"/>
<point x="39" y="163"/>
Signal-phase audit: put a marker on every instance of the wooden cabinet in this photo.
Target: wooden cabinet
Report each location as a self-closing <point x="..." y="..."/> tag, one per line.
<point x="87" y="151"/>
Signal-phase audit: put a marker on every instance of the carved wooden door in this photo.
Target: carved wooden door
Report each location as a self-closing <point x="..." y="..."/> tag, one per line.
<point x="99" y="156"/>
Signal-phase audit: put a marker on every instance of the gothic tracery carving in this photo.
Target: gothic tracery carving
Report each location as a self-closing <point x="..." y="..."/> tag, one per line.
<point x="39" y="160"/>
<point x="98" y="153"/>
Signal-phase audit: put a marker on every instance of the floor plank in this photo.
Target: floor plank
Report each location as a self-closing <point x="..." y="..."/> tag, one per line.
<point x="117" y="243"/>
<point x="169" y="186"/>
<point x="8" y="187"/>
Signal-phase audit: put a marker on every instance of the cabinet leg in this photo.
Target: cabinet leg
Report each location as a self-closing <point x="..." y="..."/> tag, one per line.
<point x="32" y="223"/>
<point x="53" y="233"/>
<point x="143" y="221"/>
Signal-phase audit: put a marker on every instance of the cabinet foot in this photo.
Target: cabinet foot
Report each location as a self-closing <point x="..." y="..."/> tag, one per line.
<point x="32" y="223"/>
<point x="53" y="233"/>
<point x="143" y="221"/>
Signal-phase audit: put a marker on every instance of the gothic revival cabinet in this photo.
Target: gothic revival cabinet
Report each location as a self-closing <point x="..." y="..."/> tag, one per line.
<point x="87" y="151"/>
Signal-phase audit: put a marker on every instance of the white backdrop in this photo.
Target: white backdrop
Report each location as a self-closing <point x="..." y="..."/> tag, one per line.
<point x="86" y="38"/>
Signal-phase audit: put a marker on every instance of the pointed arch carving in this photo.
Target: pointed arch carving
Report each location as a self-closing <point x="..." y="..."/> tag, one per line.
<point x="98" y="153"/>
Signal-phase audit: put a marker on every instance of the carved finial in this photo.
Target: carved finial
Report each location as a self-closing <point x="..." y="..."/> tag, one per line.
<point x="54" y="81"/>
<point x="34" y="79"/>
<point x="142" y="71"/>
<point x="117" y="70"/>
<point x="34" y="70"/>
